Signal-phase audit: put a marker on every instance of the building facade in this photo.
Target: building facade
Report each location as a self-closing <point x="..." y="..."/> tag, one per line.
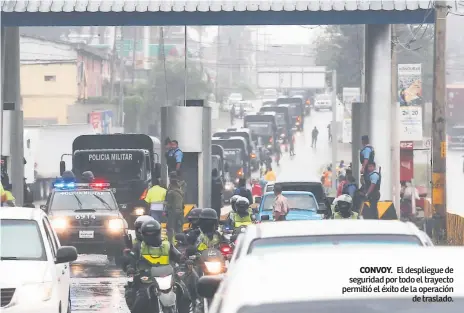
<point x="57" y="74"/>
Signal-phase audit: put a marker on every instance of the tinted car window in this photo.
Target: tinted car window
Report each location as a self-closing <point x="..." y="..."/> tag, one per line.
<point x="21" y="240"/>
<point x="295" y="202"/>
<point x="314" y="187"/>
<point x="331" y="240"/>
<point x="404" y="305"/>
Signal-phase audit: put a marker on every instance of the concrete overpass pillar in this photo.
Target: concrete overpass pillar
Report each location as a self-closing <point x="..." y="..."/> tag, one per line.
<point x="12" y="105"/>
<point x="378" y="75"/>
<point x="191" y="127"/>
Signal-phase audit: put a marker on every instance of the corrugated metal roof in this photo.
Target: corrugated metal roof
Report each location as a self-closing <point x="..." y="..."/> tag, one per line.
<point x="209" y="5"/>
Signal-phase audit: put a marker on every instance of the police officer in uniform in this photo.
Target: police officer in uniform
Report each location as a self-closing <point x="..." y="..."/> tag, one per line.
<point x="343" y="208"/>
<point x="87" y="177"/>
<point x="242" y="216"/>
<point x="174" y="157"/>
<point x="366" y="155"/>
<point x="209" y="237"/>
<point x="372" y="191"/>
<point x="154" y="251"/>
<point x="191" y="234"/>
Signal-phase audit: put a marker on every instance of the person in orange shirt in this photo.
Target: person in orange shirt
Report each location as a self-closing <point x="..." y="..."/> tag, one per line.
<point x="327" y="178"/>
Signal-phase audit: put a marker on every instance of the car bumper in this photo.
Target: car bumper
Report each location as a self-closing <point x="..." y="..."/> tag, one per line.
<point x="103" y="240"/>
<point x="40" y="307"/>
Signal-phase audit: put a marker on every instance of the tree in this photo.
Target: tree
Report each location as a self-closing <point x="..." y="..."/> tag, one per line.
<point x="341" y="48"/>
<point x="165" y="86"/>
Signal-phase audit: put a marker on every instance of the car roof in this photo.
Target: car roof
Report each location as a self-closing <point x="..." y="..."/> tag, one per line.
<point x="304" y="268"/>
<point x="21" y="213"/>
<point x="332" y="227"/>
<point x="292" y="192"/>
<point x="294" y="181"/>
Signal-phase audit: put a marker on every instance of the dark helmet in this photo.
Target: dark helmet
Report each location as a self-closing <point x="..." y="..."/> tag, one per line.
<point x="87" y="177"/>
<point x="68" y="175"/>
<point x="242" y="206"/>
<point x="194" y="216"/>
<point x="138" y="224"/>
<point x="151" y="232"/>
<point x="233" y="200"/>
<point x="208" y="220"/>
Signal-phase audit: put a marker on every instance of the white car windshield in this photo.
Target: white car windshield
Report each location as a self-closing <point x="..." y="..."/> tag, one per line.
<point x="323" y="97"/>
<point x="85" y="199"/>
<point x="21" y="240"/>
<point x="235" y="96"/>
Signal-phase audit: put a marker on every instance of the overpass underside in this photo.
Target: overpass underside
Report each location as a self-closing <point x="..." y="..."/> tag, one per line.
<point x="376" y="15"/>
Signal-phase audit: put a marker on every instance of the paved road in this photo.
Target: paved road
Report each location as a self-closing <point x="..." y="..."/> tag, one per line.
<point x="98" y="286"/>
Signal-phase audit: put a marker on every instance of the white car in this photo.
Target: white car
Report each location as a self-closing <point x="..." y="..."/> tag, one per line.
<point x="293" y="235"/>
<point x="35" y="273"/>
<point x="323" y="102"/>
<point x="328" y="280"/>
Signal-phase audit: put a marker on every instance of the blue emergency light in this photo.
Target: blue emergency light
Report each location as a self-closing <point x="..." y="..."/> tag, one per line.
<point x="64" y="185"/>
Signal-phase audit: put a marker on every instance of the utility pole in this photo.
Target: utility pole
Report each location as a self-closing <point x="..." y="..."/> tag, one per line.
<point x="121" y="79"/>
<point x="334" y="130"/>
<point x="134" y="49"/>
<point x="218" y="50"/>
<point x="395" y="142"/>
<point x="113" y="64"/>
<point x="439" y="124"/>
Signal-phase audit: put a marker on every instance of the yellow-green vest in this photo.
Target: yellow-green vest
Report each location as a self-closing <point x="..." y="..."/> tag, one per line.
<point x="241" y="220"/>
<point x="337" y="215"/>
<point x="155" y="255"/>
<point x="204" y="242"/>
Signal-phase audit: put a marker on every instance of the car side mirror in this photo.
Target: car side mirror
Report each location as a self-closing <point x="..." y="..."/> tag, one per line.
<point x="62" y="167"/>
<point x="208" y="285"/>
<point x="181" y="238"/>
<point x="66" y="254"/>
<point x="258" y="200"/>
<point x="265" y="217"/>
<point x="43" y="207"/>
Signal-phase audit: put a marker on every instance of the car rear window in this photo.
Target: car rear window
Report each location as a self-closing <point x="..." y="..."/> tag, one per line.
<point x="314" y="187"/>
<point x="391" y="305"/>
<point x="21" y="240"/>
<point x="296" y="242"/>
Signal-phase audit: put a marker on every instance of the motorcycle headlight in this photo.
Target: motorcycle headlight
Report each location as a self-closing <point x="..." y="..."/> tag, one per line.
<point x="139" y="211"/>
<point x="60" y="223"/>
<point x="213" y="267"/>
<point x="164" y="283"/>
<point x="229" y="186"/>
<point x="116" y="224"/>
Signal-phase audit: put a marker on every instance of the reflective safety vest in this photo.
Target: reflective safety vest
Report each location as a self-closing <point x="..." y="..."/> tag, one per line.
<point x="241" y="221"/>
<point x="337" y="215"/>
<point x="156" y="255"/>
<point x="156" y="194"/>
<point x="204" y="242"/>
<point x="9" y="196"/>
<point x="371" y="155"/>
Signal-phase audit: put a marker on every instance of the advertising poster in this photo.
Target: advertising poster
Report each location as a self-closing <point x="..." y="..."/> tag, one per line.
<point x="95" y="120"/>
<point x="410" y="100"/>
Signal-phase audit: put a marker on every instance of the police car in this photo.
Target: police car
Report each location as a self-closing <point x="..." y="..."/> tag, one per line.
<point x="87" y="217"/>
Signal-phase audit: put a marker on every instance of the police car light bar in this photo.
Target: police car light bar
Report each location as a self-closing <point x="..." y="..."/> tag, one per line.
<point x="64" y="185"/>
<point x="99" y="184"/>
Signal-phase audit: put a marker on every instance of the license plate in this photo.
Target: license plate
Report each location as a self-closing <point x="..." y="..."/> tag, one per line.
<point x="86" y="234"/>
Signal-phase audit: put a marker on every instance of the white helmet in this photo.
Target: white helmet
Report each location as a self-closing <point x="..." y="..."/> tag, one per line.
<point x="344" y="202"/>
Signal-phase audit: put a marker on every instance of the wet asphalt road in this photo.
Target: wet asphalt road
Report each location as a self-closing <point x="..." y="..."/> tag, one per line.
<point x="98" y="285"/>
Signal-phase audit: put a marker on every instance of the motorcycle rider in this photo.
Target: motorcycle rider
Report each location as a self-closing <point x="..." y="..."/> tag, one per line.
<point x="134" y="247"/>
<point x="209" y="237"/>
<point x="192" y="233"/>
<point x="242" y="216"/>
<point x="154" y="251"/>
<point x="343" y="208"/>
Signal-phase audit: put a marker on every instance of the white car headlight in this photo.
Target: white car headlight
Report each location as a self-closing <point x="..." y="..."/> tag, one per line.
<point x="59" y="223"/>
<point x="213" y="267"/>
<point x="139" y="211"/>
<point x="164" y="283"/>
<point x="116" y="224"/>
<point x="36" y="292"/>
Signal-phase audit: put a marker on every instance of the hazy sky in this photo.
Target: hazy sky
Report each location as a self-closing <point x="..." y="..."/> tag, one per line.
<point x="274" y="34"/>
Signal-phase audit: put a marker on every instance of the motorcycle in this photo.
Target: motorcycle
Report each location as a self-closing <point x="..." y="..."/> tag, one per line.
<point x="161" y="287"/>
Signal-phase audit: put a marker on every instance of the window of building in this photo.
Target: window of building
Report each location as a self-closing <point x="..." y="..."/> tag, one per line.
<point x="50" y="78"/>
